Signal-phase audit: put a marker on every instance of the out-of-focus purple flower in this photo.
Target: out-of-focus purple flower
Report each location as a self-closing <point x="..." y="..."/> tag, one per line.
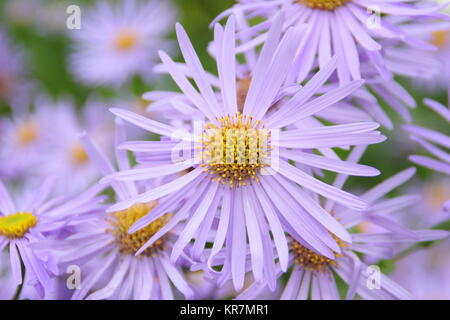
<point x="103" y="249"/>
<point x="33" y="218"/>
<point x="425" y="272"/>
<point x="240" y="162"/>
<point x="14" y="88"/>
<point x="313" y="275"/>
<point x="116" y="42"/>
<point x="436" y="143"/>
<point x="26" y="141"/>
<point x="36" y="144"/>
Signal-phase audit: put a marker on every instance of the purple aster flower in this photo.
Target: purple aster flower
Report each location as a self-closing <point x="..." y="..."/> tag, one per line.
<point x="116" y="42"/>
<point x="105" y="252"/>
<point x="39" y="143"/>
<point x="32" y="219"/>
<point x="314" y="275"/>
<point x="425" y="273"/>
<point x="350" y="29"/>
<point x="436" y="143"/>
<point x="26" y="140"/>
<point x="373" y="40"/>
<point x="441" y="39"/>
<point x="241" y="162"/>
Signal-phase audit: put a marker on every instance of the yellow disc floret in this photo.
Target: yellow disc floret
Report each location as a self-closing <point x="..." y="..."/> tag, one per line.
<point x="125" y="40"/>
<point x="235" y="151"/>
<point x="311" y="260"/>
<point x="78" y="154"/>
<point x="17" y="225"/>
<point x="27" y="133"/>
<point x="130" y="243"/>
<point x="323" y="4"/>
<point x="440" y="38"/>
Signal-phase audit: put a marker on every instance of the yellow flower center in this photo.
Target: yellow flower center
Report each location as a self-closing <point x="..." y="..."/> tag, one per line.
<point x="130" y="243"/>
<point x="17" y="224"/>
<point x="440" y="38"/>
<point x="27" y="133"/>
<point x="311" y="260"/>
<point x="78" y="155"/>
<point x="323" y="4"/>
<point x="435" y="194"/>
<point x="125" y="40"/>
<point x="235" y="152"/>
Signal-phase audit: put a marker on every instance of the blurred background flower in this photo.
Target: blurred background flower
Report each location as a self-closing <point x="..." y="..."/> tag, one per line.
<point x="56" y="83"/>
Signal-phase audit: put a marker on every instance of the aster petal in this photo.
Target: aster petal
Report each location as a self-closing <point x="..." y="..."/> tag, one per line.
<point x="357" y="31"/>
<point x="304" y="231"/>
<point x="6" y="203"/>
<point x="254" y="235"/>
<point x="160" y="191"/>
<point x="292" y="287"/>
<point x="320" y="103"/>
<point x="438" y="108"/>
<point x="277" y="72"/>
<point x="226" y="66"/>
<point x="176" y="277"/>
<point x="204" y="230"/>
<point x="92" y="277"/>
<point x="16" y="266"/>
<point x="148" y="173"/>
<point x="151" y="125"/>
<point x="275" y="226"/>
<point x="428" y="134"/>
<point x="433" y="150"/>
<point x="264" y="60"/>
<point x="304" y="286"/>
<point x="114" y="283"/>
<point x="431" y="164"/>
<point x="342" y="197"/>
<point x="222" y="229"/>
<point x="386" y="186"/>
<point x="306" y="92"/>
<point x="195" y="220"/>
<point x="103" y="164"/>
<point x="330" y="164"/>
<point x="198" y="73"/>
<point x="180" y="215"/>
<point x="164" y="282"/>
<point x="238" y="243"/>
<point x="186" y="87"/>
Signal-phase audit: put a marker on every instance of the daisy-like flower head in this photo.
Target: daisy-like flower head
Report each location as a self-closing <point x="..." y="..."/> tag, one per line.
<point x="32" y="219"/>
<point x="239" y="177"/>
<point x="440" y="38"/>
<point x="436" y="143"/>
<point x="102" y="247"/>
<point x="118" y="41"/>
<point x="314" y="275"/>
<point x="26" y="139"/>
<point x="349" y="29"/>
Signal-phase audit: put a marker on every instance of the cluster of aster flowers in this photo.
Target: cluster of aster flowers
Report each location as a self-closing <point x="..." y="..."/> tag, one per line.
<point x="233" y="186"/>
